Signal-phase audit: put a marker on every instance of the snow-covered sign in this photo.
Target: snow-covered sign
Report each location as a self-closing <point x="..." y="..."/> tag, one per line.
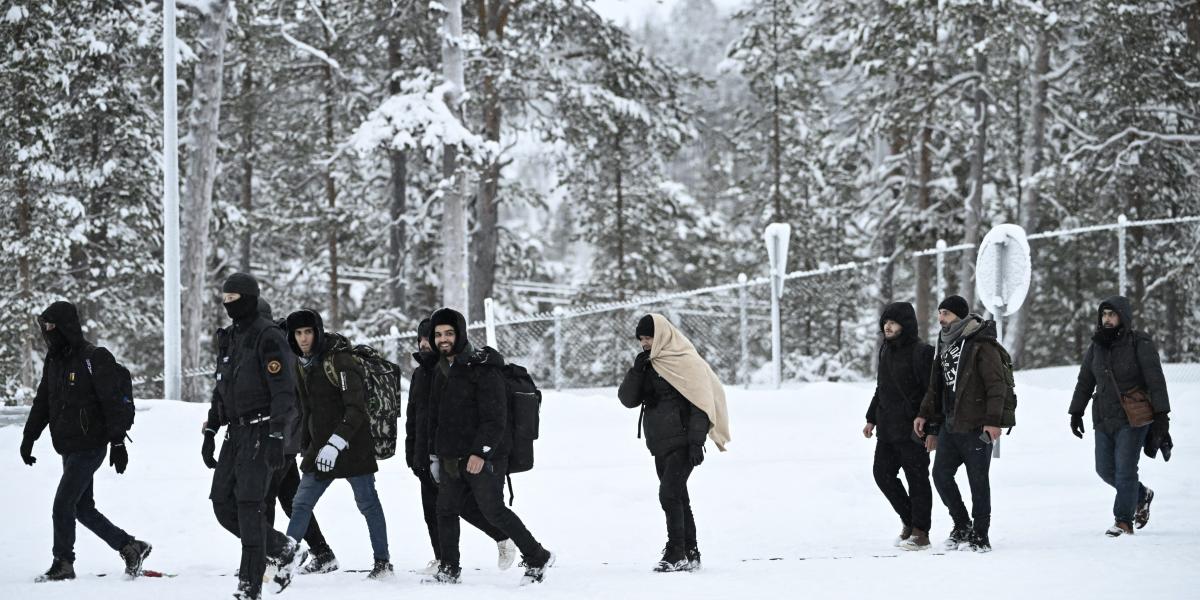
<point x="1003" y="270"/>
<point x="777" y="236"/>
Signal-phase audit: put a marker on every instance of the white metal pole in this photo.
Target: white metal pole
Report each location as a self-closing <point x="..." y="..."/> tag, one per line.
<point x="489" y="320"/>
<point x="558" y="348"/>
<point x="941" y="280"/>
<point x="1121" y="279"/>
<point x="1000" y="310"/>
<point x="172" y="365"/>
<point x="776" y="331"/>
<point x="743" y="332"/>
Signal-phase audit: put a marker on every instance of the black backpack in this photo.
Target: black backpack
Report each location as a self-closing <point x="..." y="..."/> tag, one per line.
<point x="124" y="417"/>
<point x="524" y="416"/>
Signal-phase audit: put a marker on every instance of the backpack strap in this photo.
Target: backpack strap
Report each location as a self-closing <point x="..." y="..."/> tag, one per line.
<point x="511" y="495"/>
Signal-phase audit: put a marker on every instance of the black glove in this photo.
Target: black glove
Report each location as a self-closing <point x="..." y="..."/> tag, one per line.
<point x="27" y="451"/>
<point x="696" y="453"/>
<point x="273" y="449"/>
<point x="1161" y="426"/>
<point x="118" y="457"/>
<point x="209" y="448"/>
<point x="1077" y="426"/>
<point x="643" y="359"/>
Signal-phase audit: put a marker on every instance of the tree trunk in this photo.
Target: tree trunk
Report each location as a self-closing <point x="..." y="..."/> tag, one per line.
<point x="618" y="183"/>
<point x="776" y="134"/>
<point x="966" y="277"/>
<point x="248" y="109"/>
<point x="204" y="117"/>
<point x="24" y="229"/>
<point x="398" y="191"/>
<point x="1035" y="143"/>
<point x="334" y="317"/>
<point x="492" y="18"/>
<point x="888" y="237"/>
<point x="924" y="263"/>
<point x="455" y="269"/>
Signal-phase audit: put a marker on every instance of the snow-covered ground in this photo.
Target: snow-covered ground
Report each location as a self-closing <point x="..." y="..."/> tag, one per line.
<point x="790" y="511"/>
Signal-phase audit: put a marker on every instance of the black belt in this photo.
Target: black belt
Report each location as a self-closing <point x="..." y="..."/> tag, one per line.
<point x="250" y="419"/>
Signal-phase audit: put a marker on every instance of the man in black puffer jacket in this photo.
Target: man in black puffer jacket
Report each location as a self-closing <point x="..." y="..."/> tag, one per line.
<point x="468" y="426"/>
<point x="417" y="449"/>
<point x="1119" y="361"/>
<point x="335" y="434"/>
<point x="675" y="433"/>
<point x="905" y="363"/>
<point x="79" y="398"/>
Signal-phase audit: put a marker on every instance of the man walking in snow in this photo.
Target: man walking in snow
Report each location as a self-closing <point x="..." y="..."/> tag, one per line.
<point x="79" y="397"/>
<point x="470" y="437"/>
<point x="335" y="435"/>
<point x="417" y="450"/>
<point x="1122" y="367"/>
<point x="901" y="381"/>
<point x="284" y="482"/>
<point x="682" y="403"/>
<point x="966" y="398"/>
<point x="256" y="398"/>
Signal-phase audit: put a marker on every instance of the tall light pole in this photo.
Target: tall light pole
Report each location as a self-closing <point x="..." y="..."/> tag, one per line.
<point x="172" y="367"/>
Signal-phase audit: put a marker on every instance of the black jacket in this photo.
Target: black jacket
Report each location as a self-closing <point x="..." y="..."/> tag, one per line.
<point x="902" y="378"/>
<point x="79" y="393"/>
<point x="468" y="405"/>
<point x="1133" y="362"/>
<point x="669" y="420"/>
<point x="256" y="375"/>
<point x="416" y="415"/>
<point x="333" y="400"/>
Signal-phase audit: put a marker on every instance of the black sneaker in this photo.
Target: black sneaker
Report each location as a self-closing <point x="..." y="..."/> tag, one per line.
<point x="320" y="563"/>
<point x="289" y="562"/>
<point x="693" y="558"/>
<point x="980" y="542"/>
<point x="247" y="591"/>
<point x="446" y="574"/>
<point x="536" y="573"/>
<point x="961" y="534"/>
<point x="60" y="570"/>
<point x="673" y="560"/>
<point x="1142" y="516"/>
<point x="134" y="553"/>
<point x="381" y="570"/>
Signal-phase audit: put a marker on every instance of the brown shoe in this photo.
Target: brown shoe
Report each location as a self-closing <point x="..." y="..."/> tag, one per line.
<point x="1119" y="528"/>
<point x="905" y="533"/>
<point x="919" y="540"/>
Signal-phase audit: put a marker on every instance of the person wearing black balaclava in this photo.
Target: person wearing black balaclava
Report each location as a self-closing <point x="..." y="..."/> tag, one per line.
<point x="284" y="483"/>
<point x="255" y="397"/>
<point x="1122" y="363"/>
<point x="79" y="398"/>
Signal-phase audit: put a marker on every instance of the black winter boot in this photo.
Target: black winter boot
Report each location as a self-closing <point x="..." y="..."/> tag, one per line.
<point x="446" y="573"/>
<point x="693" y="558"/>
<point x="381" y="570"/>
<point x="674" y="559"/>
<point x="134" y="554"/>
<point x="60" y="570"/>
<point x="321" y="562"/>
<point x="961" y="534"/>
<point x="535" y="571"/>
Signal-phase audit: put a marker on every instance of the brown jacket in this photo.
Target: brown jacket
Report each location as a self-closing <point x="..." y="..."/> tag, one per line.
<point x="981" y="386"/>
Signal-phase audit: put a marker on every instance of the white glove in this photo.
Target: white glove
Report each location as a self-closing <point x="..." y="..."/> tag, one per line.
<point x="329" y="453"/>
<point x="435" y="468"/>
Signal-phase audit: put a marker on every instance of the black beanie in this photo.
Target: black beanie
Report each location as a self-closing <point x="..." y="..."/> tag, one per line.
<point x="240" y="283"/>
<point x="425" y="329"/>
<point x="957" y="305"/>
<point x="645" y="327"/>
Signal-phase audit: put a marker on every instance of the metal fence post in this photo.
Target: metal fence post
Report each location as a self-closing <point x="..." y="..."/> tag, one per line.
<point x="941" y="270"/>
<point x="1121" y="279"/>
<point x="558" y="347"/>
<point x="743" y="332"/>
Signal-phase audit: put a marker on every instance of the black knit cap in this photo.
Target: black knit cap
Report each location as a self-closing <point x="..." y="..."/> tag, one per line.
<point x="240" y="283"/>
<point x="645" y="327"/>
<point x="957" y="305"/>
<point x="425" y="329"/>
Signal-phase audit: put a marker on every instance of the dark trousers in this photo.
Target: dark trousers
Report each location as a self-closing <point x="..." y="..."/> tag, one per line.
<point x="73" y="501"/>
<point x="470" y="513"/>
<point x="915" y="505"/>
<point x="1117" y="456"/>
<point x="239" y="495"/>
<point x="956" y="449"/>
<point x="673" y="470"/>
<point x="488" y="488"/>
<point x="284" y="484"/>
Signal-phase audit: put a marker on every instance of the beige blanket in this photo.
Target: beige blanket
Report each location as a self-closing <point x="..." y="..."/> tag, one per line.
<point x="675" y="358"/>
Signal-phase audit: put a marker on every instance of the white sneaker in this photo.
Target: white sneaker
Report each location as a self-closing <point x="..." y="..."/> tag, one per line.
<point x="507" y="554"/>
<point x="430" y="568"/>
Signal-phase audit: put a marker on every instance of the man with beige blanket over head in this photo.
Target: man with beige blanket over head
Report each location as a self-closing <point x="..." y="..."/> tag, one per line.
<point x="682" y="402"/>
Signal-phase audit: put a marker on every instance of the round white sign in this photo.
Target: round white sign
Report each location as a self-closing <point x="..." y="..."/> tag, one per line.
<point x="1003" y="270"/>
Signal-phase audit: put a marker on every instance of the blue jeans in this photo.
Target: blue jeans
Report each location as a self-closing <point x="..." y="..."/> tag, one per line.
<point x="73" y="501"/>
<point x="1117" y="464"/>
<point x="365" y="496"/>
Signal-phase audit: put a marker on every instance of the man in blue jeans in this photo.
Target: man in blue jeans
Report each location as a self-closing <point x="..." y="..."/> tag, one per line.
<point x="335" y="435"/>
<point x="1121" y="361"/>
<point x="79" y="398"/>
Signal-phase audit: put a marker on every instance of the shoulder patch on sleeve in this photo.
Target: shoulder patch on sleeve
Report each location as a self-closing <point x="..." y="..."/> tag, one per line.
<point x="274" y="367"/>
